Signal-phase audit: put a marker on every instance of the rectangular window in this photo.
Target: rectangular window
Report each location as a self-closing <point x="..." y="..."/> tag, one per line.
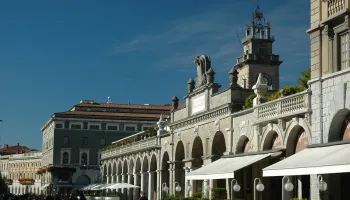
<point x="84" y="141"/>
<point x="58" y="125"/>
<point x="66" y="140"/>
<point x="103" y="141"/>
<point x="345" y="50"/>
<point x="94" y="127"/>
<point x="75" y="126"/>
<point x="130" y="128"/>
<point x="112" y="128"/>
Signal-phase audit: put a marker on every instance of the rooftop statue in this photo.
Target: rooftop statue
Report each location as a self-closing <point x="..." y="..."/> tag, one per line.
<point x="203" y="65"/>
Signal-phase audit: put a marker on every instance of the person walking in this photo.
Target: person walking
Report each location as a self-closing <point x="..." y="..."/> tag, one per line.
<point x="143" y="196"/>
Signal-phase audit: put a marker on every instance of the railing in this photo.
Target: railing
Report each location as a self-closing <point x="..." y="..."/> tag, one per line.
<point x="130" y="148"/>
<point x="258" y="57"/>
<point x="257" y="36"/>
<point x="287" y="106"/>
<point x="335" y="6"/>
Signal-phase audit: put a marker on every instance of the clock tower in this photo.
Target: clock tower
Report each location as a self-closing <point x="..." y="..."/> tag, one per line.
<point x="258" y="56"/>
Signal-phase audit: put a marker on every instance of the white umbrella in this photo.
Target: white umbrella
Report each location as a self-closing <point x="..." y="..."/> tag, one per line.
<point x="97" y="187"/>
<point x="122" y="185"/>
<point x="88" y="187"/>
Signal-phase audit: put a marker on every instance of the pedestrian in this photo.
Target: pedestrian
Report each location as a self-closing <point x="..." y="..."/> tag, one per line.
<point x="143" y="196"/>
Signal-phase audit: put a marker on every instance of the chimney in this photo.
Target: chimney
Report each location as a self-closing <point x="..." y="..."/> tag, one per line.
<point x="6" y="146"/>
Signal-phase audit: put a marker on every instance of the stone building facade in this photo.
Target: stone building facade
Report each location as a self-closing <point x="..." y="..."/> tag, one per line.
<point x="212" y="128"/>
<point x="74" y="140"/>
<point x="19" y="172"/>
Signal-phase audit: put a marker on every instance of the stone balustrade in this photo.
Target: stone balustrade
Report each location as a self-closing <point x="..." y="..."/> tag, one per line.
<point x="335" y="6"/>
<point x="289" y="106"/>
<point x="246" y="57"/>
<point x="139" y="146"/>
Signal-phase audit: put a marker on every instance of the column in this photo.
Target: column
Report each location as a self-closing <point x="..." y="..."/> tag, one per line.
<point x="212" y="184"/>
<point x="108" y="179"/>
<point x="143" y="181"/>
<point x="205" y="183"/>
<point x="159" y="184"/>
<point x="228" y="188"/>
<point x="129" y="190"/>
<point x="136" y="190"/>
<point x="171" y="180"/>
<point x="229" y="148"/>
<point x="150" y="185"/>
<point x="123" y="181"/>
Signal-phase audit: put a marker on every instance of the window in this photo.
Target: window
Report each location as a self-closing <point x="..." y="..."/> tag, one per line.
<point x="112" y="128"/>
<point x="94" y="127"/>
<point x="130" y="127"/>
<point x="66" y="140"/>
<point x="75" y="126"/>
<point x="65" y="159"/>
<point x="58" y="125"/>
<point x="103" y="141"/>
<point x="83" y="160"/>
<point x="345" y="48"/>
<point x="84" y="140"/>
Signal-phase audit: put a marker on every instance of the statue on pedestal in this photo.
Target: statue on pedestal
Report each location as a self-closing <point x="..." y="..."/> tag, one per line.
<point x="203" y="65"/>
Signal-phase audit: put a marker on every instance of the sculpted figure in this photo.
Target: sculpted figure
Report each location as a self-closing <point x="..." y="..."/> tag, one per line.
<point x="203" y="65"/>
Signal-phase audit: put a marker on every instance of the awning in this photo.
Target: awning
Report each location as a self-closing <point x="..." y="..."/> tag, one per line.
<point x="313" y="160"/>
<point x="224" y="167"/>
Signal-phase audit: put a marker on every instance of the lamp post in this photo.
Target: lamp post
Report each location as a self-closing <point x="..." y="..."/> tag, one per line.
<point x="287" y="186"/>
<point x="258" y="187"/>
<point x="322" y="185"/>
<point x="189" y="189"/>
<point x="177" y="187"/>
<point x="165" y="188"/>
<point x="236" y="187"/>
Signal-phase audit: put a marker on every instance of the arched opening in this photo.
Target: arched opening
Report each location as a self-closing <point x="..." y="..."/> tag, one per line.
<point x="114" y="171"/>
<point x="119" y="172"/>
<point x="179" y="165"/>
<point x="197" y="160"/>
<point x="165" y="170"/>
<point x="153" y="177"/>
<point x="145" y="173"/>
<point x="218" y="147"/>
<point x="338" y="129"/>
<point x="297" y="141"/>
<point x="272" y="141"/>
<point x="244" y="145"/>
<point x="104" y="174"/>
<point x="83" y="180"/>
<point x="109" y="173"/>
<point x="138" y="177"/>
<point x="131" y="180"/>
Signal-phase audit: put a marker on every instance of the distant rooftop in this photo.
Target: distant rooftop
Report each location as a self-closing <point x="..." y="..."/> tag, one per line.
<point x="16" y="149"/>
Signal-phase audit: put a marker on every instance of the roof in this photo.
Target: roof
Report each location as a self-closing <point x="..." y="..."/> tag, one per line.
<point x="125" y="106"/>
<point x="112" y="114"/>
<point x="15" y="149"/>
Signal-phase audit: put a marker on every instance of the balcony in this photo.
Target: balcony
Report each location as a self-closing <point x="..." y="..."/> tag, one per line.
<point x="258" y="57"/>
<point x="139" y="146"/>
<point x="289" y="106"/>
<point x="336" y="6"/>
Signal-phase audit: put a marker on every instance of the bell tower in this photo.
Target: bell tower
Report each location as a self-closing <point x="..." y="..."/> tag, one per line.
<point x="258" y="56"/>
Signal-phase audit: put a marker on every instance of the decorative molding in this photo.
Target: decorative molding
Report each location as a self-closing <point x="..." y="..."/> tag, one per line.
<point x="217" y="124"/>
<point x="195" y="130"/>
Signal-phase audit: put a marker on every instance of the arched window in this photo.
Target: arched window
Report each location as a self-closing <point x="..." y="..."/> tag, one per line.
<point x="65" y="159"/>
<point x="83" y="159"/>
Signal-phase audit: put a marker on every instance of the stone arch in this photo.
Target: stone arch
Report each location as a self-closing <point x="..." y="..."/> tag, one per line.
<point x="109" y="172"/>
<point x="144" y="165"/>
<point x="83" y="180"/>
<point x="338" y="125"/>
<point x="218" y="147"/>
<point x="153" y="163"/>
<point x="115" y="165"/>
<point x="165" y="169"/>
<point x="243" y="145"/>
<point x="271" y="135"/>
<point x="104" y="173"/>
<point x="131" y="166"/>
<point x="137" y="167"/>
<point x="119" y="168"/>
<point x="296" y="129"/>
<point x="197" y="152"/>
<point x="125" y="167"/>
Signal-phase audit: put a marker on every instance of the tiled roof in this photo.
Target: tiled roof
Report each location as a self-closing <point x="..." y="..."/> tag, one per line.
<point x="14" y="149"/>
<point x="125" y="106"/>
<point x="112" y="114"/>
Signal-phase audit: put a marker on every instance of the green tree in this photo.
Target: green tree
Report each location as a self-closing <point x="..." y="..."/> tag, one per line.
<point x="305" y="77"/>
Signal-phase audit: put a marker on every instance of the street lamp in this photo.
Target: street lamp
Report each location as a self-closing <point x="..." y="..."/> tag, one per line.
<point x="178" y="187"/>
<point x="288" y="186"/>
<point x="322" y="185"/>
<point x="165" y="188"/>
<point x="258" y="187"/>
<point x="236" y="187"/>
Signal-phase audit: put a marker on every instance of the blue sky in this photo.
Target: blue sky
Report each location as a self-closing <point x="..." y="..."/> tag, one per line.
<point x="55" y="53"/>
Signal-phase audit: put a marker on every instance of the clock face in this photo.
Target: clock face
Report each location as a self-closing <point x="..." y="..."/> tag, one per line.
<point x="267" y="78"/>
